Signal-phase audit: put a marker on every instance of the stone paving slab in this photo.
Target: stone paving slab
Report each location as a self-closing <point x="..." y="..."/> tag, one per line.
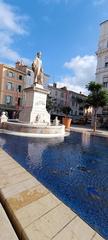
<point x="98" y="132"/>
<point x="6" y="230"/>
<point x="32" y="212"/>
<point x="97" y="237"/>
<point x="76" y="230"/>
<point x="26" y="197"/>
<point x="51" y="223"/>
<point x="35" y="212"/>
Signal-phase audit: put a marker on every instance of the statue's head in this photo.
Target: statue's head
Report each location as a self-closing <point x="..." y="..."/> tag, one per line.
<point x="39" y="54"/>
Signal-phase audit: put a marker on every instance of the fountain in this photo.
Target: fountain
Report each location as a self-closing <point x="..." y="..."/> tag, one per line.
<point x="34" y="120"/>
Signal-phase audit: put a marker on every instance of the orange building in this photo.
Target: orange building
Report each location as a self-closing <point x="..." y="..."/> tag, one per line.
<point x="11" y="86"/>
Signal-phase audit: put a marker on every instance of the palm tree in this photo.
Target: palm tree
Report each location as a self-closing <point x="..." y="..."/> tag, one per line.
<point x="98" y="97"/>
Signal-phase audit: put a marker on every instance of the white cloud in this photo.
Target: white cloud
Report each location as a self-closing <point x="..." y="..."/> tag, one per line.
<point x="83" y="71"/>
<point x="10" y="19"/>
<point x="11" y="23"/>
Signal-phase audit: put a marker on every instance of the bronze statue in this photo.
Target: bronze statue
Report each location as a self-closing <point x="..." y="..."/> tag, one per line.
<point x="37" y="69"/>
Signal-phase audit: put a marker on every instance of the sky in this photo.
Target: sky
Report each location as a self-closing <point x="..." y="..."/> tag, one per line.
<point x="65" y="31"/>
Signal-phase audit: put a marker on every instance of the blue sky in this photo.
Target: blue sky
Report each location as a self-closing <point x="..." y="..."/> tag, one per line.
<point x="66" y="31"/>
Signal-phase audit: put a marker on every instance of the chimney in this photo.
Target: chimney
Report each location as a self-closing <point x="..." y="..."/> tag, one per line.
<point x="55" y="85"/>
<point x="20" y="66"/>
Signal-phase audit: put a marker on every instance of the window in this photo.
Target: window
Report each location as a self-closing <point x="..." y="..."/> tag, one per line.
<point x="106" y="62"/>
<point x="81" y="108"/>
<point x="62" y="94"/>
<point x="61" y="102"/>
<point x="8" y="99"/>
<point x="20" y="77"/>
<point x="9" y="86"/>
<point x="11" y="74"/>
<point x="29" y="73"/>
<point x="56" y="93"/>
<point x="19" y="88"/>
<point x="71" y="112"/>
<point x="105" y="82"/>
<point x="19" y="101"/>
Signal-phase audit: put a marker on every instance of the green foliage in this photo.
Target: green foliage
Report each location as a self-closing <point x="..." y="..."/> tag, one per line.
<point x="97" y="97"/>
<point x="79" y="100"/>
<point x="49" y="103"/>
<point x="66" y="110"/>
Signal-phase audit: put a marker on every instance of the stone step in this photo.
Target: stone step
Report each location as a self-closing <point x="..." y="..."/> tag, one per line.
<point x="6" y="230"/>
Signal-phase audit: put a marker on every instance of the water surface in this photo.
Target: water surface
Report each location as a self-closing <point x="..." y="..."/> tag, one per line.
<point x="75" y="170"/>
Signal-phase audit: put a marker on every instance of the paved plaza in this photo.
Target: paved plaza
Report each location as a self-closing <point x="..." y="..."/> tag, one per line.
<point x="88" y="129"/>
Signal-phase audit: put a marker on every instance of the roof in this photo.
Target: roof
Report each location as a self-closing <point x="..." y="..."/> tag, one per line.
<point x="65" y="89"/>
<point x="13" y="68"/>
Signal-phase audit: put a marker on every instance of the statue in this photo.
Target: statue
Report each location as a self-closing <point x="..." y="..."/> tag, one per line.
<point x="56" y="121"/>
<point x="3" y="117"/>
<point x="37" y="69"/>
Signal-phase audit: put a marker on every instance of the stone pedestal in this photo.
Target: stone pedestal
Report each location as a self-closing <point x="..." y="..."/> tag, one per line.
<point x="34" y="106"/>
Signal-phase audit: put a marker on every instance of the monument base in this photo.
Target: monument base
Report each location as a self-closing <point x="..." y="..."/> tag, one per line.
<point x="34" y="106"/>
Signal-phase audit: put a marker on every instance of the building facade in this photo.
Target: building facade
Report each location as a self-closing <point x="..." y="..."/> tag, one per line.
<point x="12" y="82"/>
<point x="11" y="86"/>
<point x="28" y="80"/>
<point x="102" y="56"/>
<point x="102" y="64"/>
<point x="61" y="98"/>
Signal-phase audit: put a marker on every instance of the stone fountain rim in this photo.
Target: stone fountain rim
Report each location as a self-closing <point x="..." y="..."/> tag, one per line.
<point x="34" y="135"/>
<point x="35" y="125"/>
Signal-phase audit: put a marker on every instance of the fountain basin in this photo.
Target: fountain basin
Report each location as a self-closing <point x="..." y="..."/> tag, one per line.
<point x="27" y="129"/>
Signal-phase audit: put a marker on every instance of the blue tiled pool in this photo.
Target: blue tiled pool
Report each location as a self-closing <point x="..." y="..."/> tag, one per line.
<point x="75" y="170"/>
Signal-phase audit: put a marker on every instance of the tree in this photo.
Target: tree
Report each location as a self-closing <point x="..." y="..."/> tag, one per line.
<point x="66" y="110"/>
<point x="49" y="103"/>
<point x="98" y="97"/>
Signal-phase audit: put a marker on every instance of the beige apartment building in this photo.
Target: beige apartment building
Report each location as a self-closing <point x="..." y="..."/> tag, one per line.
<point x="29" y="75"/>
<point x="12" y="82"/>
<point x="29" y="79"/>
<point x="11" y="86"/>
